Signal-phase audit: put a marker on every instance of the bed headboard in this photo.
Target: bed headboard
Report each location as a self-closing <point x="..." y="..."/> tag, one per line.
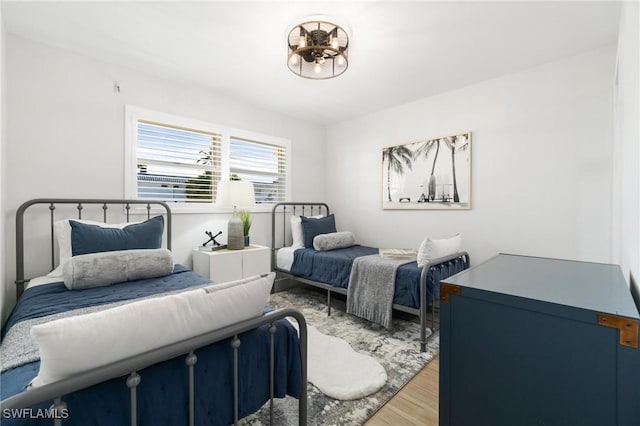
<point x="80" y="204"/>
<point x="280" y="221"/>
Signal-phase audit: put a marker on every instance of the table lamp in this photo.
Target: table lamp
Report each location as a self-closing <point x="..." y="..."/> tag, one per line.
<point x="235" y="193"/>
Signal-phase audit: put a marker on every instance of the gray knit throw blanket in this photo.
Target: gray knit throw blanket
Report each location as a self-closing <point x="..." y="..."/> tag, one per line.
<point x="371" y="287"/>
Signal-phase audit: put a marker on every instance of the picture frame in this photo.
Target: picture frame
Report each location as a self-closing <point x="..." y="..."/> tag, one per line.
<point x="429" y="174"/>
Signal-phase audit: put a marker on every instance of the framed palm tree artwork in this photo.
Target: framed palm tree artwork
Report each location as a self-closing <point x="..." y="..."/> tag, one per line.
<point x="428" y="174"/>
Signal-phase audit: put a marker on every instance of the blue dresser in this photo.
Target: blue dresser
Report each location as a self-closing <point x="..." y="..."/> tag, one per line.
<point x="536" y="341"/>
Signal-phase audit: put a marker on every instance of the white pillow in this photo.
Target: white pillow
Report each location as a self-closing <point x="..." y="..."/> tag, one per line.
<point x="296" y="230"/>
<point x="62" y="233"/>
<point x="81" y="343"/>
<point x="435" y="249"/>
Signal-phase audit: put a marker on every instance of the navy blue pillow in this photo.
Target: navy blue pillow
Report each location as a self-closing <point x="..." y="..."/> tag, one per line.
<point x="312" y="227"/>
<point x="87" y="239"/>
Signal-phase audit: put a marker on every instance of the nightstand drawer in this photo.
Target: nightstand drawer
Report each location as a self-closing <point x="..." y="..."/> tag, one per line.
<point x="228" y="265"/>
<point x="256" y="262"/>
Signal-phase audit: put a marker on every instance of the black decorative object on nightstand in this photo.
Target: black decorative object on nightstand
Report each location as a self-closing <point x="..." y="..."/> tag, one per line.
<point x="212" y="239"/>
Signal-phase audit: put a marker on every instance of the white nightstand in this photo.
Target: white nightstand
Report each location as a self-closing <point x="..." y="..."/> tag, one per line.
<point x="227" y="265"/>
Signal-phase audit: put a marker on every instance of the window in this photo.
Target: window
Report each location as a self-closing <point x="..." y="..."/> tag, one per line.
<point x="263" y="164"/>
<point x="176" y="164"/>
<point x="179" y="160"/>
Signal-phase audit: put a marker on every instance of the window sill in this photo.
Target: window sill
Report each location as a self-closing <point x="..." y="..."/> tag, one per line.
<point x="187" y="208"/>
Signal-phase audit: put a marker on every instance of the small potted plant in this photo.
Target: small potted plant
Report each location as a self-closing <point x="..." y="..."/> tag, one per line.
<point x="245" y="217"/>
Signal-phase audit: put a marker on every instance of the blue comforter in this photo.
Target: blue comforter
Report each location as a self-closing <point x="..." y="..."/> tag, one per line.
<point x="333" y="267"/>
<point x="162" y="394"/>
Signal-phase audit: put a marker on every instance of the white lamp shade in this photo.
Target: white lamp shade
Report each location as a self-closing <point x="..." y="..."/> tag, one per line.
<point x="235" y="193"/>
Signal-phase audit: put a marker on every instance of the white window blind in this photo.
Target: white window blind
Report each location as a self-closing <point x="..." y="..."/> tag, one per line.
<point x="263" y="164"/>
<point x="182" y="160"/>
<point x="177" y="164"/>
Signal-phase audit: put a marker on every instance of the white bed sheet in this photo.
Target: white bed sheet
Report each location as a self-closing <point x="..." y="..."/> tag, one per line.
<point x="284" y="258"/>
<point x="34" y="282"/>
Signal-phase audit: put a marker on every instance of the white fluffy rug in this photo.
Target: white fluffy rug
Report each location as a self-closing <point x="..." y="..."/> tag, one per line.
<point x="396" y="349"/>
<point x="340" y="372"/>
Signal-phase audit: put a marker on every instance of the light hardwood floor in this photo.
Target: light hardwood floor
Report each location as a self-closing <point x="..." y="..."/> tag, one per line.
<point x="415" y="404"/>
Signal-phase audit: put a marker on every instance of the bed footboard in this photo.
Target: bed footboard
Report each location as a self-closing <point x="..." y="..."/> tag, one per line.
<point x="432" y="273"/>
<point x="132" y="366"/>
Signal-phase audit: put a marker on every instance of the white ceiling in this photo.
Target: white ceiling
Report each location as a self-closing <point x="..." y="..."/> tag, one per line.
<point x="400" y="51"/>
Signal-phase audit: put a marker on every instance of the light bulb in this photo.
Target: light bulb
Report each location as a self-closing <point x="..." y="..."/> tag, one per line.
<point x="294" y="59"/>
<point x="334" y="42"/>
<point x="340" y="60"/>
<point x="303" y="41"/>
<point x="317" y="68"/>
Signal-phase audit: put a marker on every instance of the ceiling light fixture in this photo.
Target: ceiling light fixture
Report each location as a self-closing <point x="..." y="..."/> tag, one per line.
<point x="318" y="49"/>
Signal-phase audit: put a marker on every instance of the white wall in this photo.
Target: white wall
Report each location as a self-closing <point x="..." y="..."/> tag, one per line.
<point x="626" y="207"/>
<point x="541" y="164"/>
<point x="3" y="169"/>
<point x="65" y="124"/>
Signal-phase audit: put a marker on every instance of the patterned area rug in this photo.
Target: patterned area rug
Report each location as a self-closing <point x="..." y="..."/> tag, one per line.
<point x="397" y="349"/>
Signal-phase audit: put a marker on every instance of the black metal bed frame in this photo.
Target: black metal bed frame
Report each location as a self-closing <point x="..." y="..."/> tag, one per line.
<point x="131" y="366"/>
<point x="288" y="209"/>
